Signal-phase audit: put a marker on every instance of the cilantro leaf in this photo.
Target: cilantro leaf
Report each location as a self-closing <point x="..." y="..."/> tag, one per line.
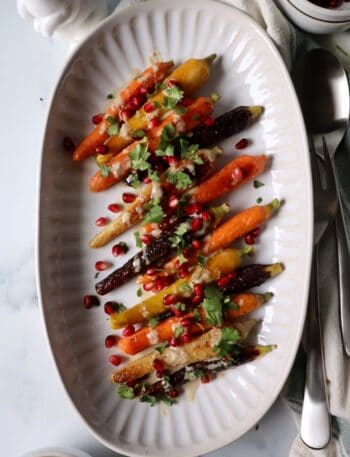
<point x="138" y="240"/>
<point x="104" y="169"/>
<point x="110" y="96"/>
<point x="139" y="134"/>
<point x="153" y="322"/>
<point x="179" y="179"/>
<point x="259" y="200"/>
<point x="178" y="331"/>
<point x="162" y="347"/>
<point x="212" y="305"/>
<point x="197" y="315"/>
<point x="167" y="400"/>
<point x="167" y="135"/>
<point x="191" y="375"/>
<point x="229" y="337"/>
<point x="229" y="304"/>
<point x="125" y="392"/>
<point x="178" y="238"/>
<point x="190" y="151"/>
<point x="118" y="307"/>
<point x="172" y="97"/>
<point x="155" y="212"/>
<point x="139" y="156"/>
<point x="151" y="399"/>
<point x="185" y="289"/>
<point x="201" y="260"/>
<point x="181" y="258"/>
<point x="113" y="128"/>
<point x="133" y="180"/>
<point x="139" y="292"/>
<point x="153" y="175"/>
<point x="180" y="109"/>
<point x="258" y="184"/>
<point x="168" y="151"/>
<point x="181" y="306"/>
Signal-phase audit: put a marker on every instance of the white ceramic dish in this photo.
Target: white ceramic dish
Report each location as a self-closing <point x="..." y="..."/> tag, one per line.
<point x="56" y="452"/>
<point x="249" y="71"/>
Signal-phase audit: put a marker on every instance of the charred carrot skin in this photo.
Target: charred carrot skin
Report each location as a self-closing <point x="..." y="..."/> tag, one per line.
<point x="120" y="164"/>
<point x="148" y="80"/>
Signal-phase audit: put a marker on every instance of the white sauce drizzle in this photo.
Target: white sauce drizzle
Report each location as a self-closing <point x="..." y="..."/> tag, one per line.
<point x="136" y="264"/>
<point x="153" y="336"/>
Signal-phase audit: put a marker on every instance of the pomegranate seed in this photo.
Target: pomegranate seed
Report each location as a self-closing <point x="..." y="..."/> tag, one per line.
<point x="243" y="143"/>
<point x="100" y="265"/>
<point x="173" y="393"/>
<point x="110" y="341"/>
<point x="101" y="221"/>
<point x="151" y="272"/>
<point x="160" y="373"/>
<point x="125" y="114"/>
<point x="237" y="174"/>
<point x="186" y="338"/>
<point x="198" y="289"/>
<point x="159" y="285"/>
<point x="183" y="273"/>
<point x="97" y="118"/>
<point x="102" y="149"/>
<point x="90" y="300"/>
<point x="131" y="383"/>
<point x="178" y="312"/>
<point x="186" y="321"/>
<point x="186" y="101"/>
<point x="146" y="238"/>
<point x="206" y="216"/>
<point x="209" y="121"/>
<point x="172" y="83"/>
<point x="256" y="232"/>
<point x="115" y="359"/>
<point x="149" y="107"/>
<point x="158" y="364"/>
<point x="173" y="162"/>
<point x="68" y="143"/>
<point x="129" y="330"/>
<point x="186" y="253"/>
<point x="149" y="286"/>
<point x="249" y="239"/>
<point x="173" y="342"/>
<point x="197" y="299"/>
<point x="193" y="209"/>
<point x="196" y="224"/>
<point x="205" y="379"/>
<point x="173" y="201"/>
<point x="196" y="244"/>
<point x="223" y="281"/>
<point x="232" y="275"/>
<point x="143" y="90"/>
<point x="154" y="122"/>
<point x="135" y="102"/>
<point x="169" y="299"/>
<point x="114" y="207"/>
<point x="109" y="308"/>
<point x="147" y="180"/>
<point x="128" y="198"/>
<point x="120" y="248"/>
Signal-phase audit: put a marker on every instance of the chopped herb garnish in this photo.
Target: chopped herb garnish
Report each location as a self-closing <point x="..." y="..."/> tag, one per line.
<point x="181" y="306"/>
<point x="118" y="307"/>
<point x="139" y="156"/>
<point x="125" y="392"/>
<point x="139" y="134"/>
<point x="172" y="97"/>
<point x="178" y="238"/>
<point x="201" y="260"/>
<point x="153" y="175"/>
<point x="212" y="305"/>
<point x="180" y="109"/>
<point x="258" y="184"/>
<point x="181" y="258"/>
<point x="197" y="315"/>
<point x="179" y="179"/>
<point x="133" y="180"/>
<point x="229" y="304"/>
<point x="259" y="200"/>
<point x="185" y="289"/>
<point x="190" y="152"/>
<point x="229" y="337"/>
<point x="153" y="322"/>
<point x="178" y="331"/>
<point x="113" y="128"/>
<point x="168" y="134"/>
<point x="97" y="274"/>
<point x="193" y="374"/>
<point x="138" y="240"/>
<point x="167" y="400"/>
<point x="151" y="399"/>
<point x="139" y="292"/>
<point x="162" y="347"/>
<point x="155" y="211"/>
<point x="215" y="97"/>
<point x="104" y="169"/>
<point x="168" y="151"/>
<point x="110" y="96"/>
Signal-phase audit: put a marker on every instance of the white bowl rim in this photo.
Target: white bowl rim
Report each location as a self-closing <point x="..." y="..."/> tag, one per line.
<point x="56" y="452"/>
<point x="320" y="13"/>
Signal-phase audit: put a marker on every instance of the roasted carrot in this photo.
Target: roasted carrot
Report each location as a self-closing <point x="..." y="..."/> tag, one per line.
<point x="247" y="303"/>
<point x="119" y="166"/>
<point x="237" y="172"/>
<point x="190" y="76"/>
<point x="148" y="79"/>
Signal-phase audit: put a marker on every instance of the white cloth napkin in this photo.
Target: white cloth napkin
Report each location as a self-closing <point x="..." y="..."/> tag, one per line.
<point x="284" y="36"/>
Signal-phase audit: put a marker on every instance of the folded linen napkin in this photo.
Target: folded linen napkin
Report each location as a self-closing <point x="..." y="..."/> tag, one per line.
<point x="291" y="44"/>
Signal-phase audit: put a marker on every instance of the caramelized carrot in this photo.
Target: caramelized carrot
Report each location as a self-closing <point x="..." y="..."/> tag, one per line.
<point x="119" y="165"/>
<point x="247" y="303"/>
<point x="237" y="172"/>
<point x="148" y="79"/>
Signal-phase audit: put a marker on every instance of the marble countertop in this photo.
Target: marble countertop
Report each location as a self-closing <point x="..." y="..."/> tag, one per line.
<point x="35" y="411"/>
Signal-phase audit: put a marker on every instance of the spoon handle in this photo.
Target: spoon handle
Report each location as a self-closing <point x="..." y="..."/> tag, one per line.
<point x="315" y="427"/>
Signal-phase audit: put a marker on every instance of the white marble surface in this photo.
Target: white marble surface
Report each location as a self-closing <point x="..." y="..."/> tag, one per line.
<point x="35" y="411"/>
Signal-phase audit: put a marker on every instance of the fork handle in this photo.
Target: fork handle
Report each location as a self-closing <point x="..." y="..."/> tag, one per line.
<point x="315" y="428"/>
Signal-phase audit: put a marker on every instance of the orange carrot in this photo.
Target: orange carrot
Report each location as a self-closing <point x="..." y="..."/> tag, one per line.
<point x="237" y="172"/>
<point x="247" y="303"/>
<point x="148" y="79"/>
<point x="119" y="166"/>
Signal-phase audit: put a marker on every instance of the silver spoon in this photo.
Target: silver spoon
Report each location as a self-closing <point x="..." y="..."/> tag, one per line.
<point x="323" y="90"/>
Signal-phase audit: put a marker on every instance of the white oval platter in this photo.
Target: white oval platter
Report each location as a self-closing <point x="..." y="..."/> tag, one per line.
<point x="249" y="71"/>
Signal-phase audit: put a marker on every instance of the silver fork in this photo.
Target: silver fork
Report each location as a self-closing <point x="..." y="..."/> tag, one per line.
<point x="315" y="428"/>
